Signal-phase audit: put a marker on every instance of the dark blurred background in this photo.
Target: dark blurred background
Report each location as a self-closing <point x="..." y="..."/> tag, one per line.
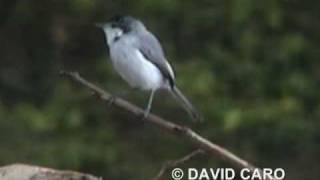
<point x="251" y="67"/>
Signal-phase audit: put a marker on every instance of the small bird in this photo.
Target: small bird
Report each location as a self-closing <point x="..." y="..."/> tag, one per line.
<point x="138" y="57"/>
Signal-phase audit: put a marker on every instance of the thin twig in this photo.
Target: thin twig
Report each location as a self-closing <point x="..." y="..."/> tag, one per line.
<point x="171" y="164"/>
<point x="170" y="127"/>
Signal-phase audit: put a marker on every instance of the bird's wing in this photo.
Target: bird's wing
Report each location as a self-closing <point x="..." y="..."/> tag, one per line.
<point x="151" y="48"/>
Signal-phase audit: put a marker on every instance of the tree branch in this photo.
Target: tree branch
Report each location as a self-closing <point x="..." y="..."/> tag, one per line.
<point x="30" y="172"/>
<point x="196" y="139"/>
<point x="171" y="164"/>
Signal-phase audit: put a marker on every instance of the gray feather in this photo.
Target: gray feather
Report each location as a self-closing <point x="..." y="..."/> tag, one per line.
<point x="150" y="47"/>
<point x="186" y="104"/>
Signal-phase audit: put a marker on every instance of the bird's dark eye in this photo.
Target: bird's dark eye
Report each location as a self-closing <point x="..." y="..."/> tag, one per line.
<point x="117" y="18"/>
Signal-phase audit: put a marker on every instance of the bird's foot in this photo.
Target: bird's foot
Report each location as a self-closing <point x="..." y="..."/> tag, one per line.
<point x="113" y="97"/>
<point x="145" y="114"/>
<point x="111" y="100"/>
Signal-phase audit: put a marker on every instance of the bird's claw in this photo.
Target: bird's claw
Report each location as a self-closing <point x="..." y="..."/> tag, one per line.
<point x="111" y="100"/>
<point x="145" y="114"/>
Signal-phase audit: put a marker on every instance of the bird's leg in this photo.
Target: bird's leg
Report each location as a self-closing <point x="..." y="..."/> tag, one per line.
<point x="147" y="110"/>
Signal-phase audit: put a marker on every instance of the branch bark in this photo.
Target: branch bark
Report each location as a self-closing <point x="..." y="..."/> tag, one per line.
<point x="183" y="131"/>
<point x="29" y="172"/>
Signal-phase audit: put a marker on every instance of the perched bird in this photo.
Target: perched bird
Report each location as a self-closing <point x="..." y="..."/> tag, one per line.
<point x="138" y="57"/>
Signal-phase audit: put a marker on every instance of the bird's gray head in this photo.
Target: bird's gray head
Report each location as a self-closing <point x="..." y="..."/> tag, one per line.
<point x="127" y="24"/>
<point x="120" y="25"/>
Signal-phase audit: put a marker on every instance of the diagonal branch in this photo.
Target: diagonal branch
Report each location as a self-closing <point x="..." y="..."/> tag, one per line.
<point x="182" y="131"/>
<point x="172" y="164"/>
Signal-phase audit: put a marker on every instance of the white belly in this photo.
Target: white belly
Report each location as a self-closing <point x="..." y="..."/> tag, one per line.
<point x="135" y="69"/>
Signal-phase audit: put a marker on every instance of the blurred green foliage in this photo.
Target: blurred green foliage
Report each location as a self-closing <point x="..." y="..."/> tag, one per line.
<point x="251" y="67"/>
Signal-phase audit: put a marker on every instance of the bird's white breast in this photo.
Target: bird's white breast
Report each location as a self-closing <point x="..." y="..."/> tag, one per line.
<point x="133" y="67"/>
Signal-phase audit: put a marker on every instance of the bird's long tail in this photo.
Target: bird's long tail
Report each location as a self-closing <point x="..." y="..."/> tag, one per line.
<point x="195" y="115"/>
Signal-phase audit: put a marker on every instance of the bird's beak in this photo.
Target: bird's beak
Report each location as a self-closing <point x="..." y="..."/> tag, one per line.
<point x="98" y="25"/>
